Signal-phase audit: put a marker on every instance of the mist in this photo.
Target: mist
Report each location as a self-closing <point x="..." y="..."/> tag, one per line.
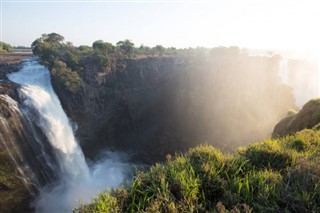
<point x="108" y="172"/>
<point x="227" y="98"/>
<point x="302" y="74"/>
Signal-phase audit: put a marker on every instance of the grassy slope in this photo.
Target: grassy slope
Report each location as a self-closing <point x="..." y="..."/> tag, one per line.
<point x="276" y="175"/>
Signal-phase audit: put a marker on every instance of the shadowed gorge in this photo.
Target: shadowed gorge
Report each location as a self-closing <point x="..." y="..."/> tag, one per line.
<point x="225" y="99"/>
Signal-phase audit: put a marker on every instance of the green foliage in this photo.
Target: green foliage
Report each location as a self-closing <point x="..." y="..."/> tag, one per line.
<point x="280" y="175"/>
<point x="269" y="154"/>
<point x="62" y="59"/>
<point x="47" y="47"/>
<point x="126" y="47"/>
<point x="103" y="47"/>
<point x="70" y="79"/>
<point x="84" y="49"/>
<point x="101" y="60"/>
<point x="4" y="47"/>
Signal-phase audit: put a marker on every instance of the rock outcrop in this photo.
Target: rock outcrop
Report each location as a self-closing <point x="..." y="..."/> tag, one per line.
<point x="307" y="118"/>
<point x="14" y="194"/>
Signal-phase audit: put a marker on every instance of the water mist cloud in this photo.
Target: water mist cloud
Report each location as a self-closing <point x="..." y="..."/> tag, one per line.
<point x="67" y="194"/>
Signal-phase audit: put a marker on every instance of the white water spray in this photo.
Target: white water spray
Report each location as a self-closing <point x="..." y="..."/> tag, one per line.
<point x="302" y="75"/>
<point x="77" y="181"/>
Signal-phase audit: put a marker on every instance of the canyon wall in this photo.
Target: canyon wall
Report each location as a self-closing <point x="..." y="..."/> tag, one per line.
<point x="154" y="106"/>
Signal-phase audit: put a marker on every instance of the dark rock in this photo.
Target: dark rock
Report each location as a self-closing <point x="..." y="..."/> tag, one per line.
<point x="3" y="187"/>
<point x="307" y="118"/>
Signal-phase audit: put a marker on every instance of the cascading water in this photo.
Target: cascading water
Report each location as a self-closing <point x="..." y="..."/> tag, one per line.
<point x="76" y="181"/>
<point x="302" y="76"/>
<point x="284" y="71"/>
<point x="38" y="94"/>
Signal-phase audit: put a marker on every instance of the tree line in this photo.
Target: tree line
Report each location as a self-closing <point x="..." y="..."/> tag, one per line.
<point x="66" y="60"/>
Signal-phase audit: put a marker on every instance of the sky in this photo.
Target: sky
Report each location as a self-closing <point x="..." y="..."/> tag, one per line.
<point x="271" y="24"/>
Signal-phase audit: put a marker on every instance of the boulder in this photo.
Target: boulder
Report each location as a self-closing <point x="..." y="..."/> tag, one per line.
<point x="307" y="118"/>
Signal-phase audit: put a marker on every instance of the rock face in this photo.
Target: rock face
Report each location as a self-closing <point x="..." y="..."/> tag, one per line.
<point x="159" y="105"/>
<point x="307" y="118"/>
<point x="14" y="192"/>
<point x="14" y="195"/>
<point x="24" y="153"/>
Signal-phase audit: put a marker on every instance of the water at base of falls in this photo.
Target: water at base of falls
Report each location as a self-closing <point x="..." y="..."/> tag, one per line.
<point x="76" y="181"/>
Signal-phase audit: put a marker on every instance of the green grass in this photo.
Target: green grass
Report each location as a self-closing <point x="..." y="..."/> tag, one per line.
<point x="276" y="175"/>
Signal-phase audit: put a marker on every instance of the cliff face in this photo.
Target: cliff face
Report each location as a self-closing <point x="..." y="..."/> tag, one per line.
<point x="123" y="106"/>
<point x="14" y="196"/>
<point x="158" y="105"/>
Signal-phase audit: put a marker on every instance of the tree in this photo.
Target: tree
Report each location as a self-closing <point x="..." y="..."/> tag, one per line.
<point x="103" y="47"/>
<point x="53" y="38"/>
<point x="143" y="50"/>
<point x="85" y="49"/>
<point x="47" y="47"/>
<point x="4" y="47"/>
<point x="159" y="49"/>
<point x="126" y="47"/>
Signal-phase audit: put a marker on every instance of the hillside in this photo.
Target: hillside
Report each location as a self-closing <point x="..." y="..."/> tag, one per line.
<point x="275" y="175"/>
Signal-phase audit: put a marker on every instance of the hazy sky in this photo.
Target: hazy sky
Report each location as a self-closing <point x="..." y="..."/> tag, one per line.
<point x="290" y="24"/>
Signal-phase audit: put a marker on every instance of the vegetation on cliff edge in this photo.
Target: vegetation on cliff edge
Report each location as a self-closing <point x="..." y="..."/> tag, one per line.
<point x="276" y="175"/>
<point x="4" y="47"/>
<point x="52" y="51"/>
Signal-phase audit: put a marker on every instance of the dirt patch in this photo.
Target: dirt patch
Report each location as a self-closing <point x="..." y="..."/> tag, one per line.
<point x="13" y="57"/>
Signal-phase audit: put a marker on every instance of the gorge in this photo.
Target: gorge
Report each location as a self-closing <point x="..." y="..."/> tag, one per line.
<point x="147" y="107"/>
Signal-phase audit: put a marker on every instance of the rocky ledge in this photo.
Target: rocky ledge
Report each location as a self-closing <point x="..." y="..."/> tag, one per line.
<point x="308" y="117"/>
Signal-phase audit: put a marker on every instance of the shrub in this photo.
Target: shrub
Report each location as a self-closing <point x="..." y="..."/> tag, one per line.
<point x="69" y="79"/>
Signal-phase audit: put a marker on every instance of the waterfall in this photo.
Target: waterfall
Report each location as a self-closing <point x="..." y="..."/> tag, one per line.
<point x="76" y="182"/>
<point x="284" y="72"/>
<point x="39" y="95"/>
<point x="302" y="75"/>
